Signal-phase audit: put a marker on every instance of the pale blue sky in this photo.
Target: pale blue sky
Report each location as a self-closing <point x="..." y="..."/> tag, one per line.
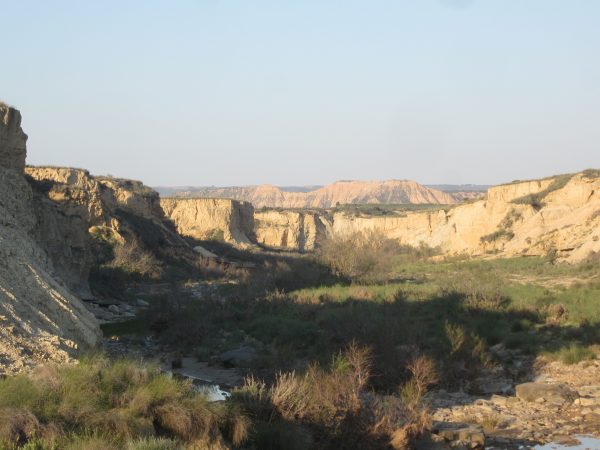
<point x="226" y="92"/>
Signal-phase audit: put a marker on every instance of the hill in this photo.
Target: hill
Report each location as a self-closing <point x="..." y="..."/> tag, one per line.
<point x="340" y="192"/>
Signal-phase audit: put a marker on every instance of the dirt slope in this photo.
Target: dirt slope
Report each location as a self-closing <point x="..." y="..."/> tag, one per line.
<point x="40" y="318"/>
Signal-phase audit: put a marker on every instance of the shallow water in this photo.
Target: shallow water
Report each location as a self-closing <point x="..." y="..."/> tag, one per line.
<point x="212" y="392"/>
<point x="586" y="443"/>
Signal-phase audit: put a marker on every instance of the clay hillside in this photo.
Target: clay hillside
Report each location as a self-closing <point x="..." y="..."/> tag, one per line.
<point x="340" y="192"/>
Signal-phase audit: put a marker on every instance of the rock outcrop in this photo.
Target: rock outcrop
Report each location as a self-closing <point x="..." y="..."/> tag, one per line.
<point x="13" y="140"/>
<point x="290" y="230"/>
<point x="559" y="215"/>
<point x="116" y="211"/>
<point x="340" y="192"/>
<point x="41" y="319"/>
<point x="212" y="218"/>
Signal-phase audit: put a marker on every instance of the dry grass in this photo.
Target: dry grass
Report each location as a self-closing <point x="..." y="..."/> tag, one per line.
<point x="418" y="418"/>
<point x="123" y="400"/>
<point x="335" y="405"/>
<point x="132" y="257"/>
<point x="319" y="395"/>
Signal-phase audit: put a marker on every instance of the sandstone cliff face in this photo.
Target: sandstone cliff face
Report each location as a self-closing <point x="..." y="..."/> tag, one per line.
<point x="95" y="198"/>
<point x="342" y="192"/>
<point x="212" y="218"/>
<point x="40" y="319"/>
<point x="122" y="211"/>
<point x="290" y="230"/>
<point x="564" y="221"/>
<point x="512" y="191"/>
<point x="568" y="222"/>
<point x="12" y="139"/>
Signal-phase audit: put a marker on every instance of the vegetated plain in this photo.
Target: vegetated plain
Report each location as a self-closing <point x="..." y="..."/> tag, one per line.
<point x="362" y="319"/>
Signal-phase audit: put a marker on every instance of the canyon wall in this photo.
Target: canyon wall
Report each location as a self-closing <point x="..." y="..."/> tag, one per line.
<point x="564" y="221"/>
<point x="558" y="215"/>
<point x="212" y="218"/>
<point x="290" y="230"/>
<point x="41" y="319"/>
<point x="102" y="210"/>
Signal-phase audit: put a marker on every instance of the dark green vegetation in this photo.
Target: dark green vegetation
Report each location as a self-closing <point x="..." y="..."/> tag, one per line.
<point x="397" y="302"/>
<point x="369" y="210"/>
<point x="452" y="311"/>
<point x="387" y="209"/>
<point x="363" y="315"/>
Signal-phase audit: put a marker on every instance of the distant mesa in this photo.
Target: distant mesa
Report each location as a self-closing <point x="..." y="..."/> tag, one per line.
<point x="331" y="195"/>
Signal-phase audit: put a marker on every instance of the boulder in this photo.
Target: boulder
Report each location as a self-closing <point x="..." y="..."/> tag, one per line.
<point x="541" y="392"/>
<point x="469" y="436"/>
<point x="142" y="303"/>
<point x="238" y="357"/>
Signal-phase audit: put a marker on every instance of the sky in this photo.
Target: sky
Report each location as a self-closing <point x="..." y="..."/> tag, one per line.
<point x="289" y="92"/>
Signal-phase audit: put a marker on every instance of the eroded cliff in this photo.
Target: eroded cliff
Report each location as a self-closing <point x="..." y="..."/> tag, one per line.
<point x="559" y="215"/>
<point x="290" y="230"/>
<point x="116" y="215"/>
<point x="41" y="319"/>
<point x="212" y="218"/>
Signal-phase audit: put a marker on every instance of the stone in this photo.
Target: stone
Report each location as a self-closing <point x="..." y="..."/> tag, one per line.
<point x="13" y="140"/>
<point x="471" y="436"/>
<point x="540" y="392"/>
<point x="238" y="357"/>
<point x="500" y="386"/>
<point x="586" y="401"/>
<point x="142" y="303"/>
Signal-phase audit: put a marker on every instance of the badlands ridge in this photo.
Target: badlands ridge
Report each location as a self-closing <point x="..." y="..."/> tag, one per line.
<point x="52" y="220"/>
<point x="338" y="193"/>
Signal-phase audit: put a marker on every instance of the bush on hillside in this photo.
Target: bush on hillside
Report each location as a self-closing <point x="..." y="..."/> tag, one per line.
<point x="537" y="200"/>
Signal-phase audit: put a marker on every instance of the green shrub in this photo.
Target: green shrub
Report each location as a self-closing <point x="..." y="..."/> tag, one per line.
<point x="591" y="173"/>
<point x="216" y="235"/>
<point x="573" y="354"/>
<point x="366" y="257"/>
<point x="497" y="235"/>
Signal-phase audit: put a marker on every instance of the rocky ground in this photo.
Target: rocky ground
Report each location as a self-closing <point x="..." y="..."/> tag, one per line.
<point x="560" y="403"/>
